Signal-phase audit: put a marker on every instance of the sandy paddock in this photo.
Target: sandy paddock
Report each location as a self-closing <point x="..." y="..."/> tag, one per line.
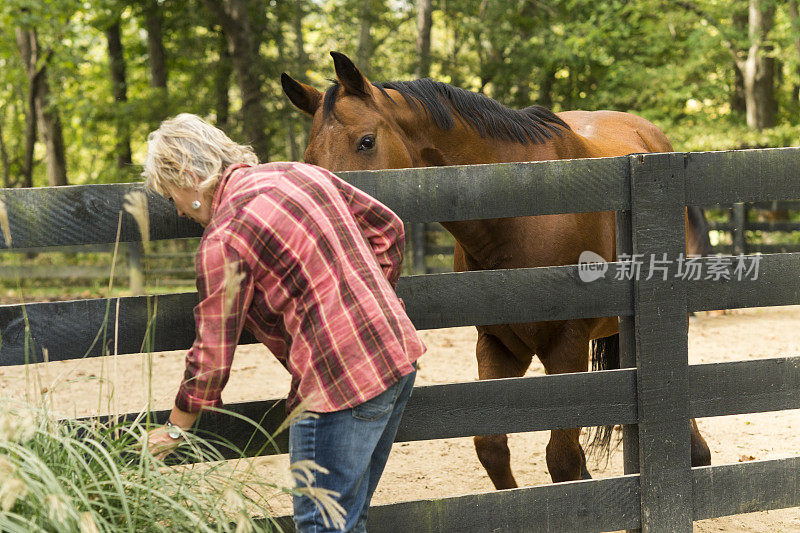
<point x="449" y="467"/>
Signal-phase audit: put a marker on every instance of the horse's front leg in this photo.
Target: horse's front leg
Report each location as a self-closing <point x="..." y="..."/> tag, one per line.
<point x="567" y="352"/>
<point x="496" y="361"/>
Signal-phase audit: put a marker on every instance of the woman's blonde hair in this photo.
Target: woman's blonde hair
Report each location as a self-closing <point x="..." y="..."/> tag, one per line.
<point x="189" y="153"/>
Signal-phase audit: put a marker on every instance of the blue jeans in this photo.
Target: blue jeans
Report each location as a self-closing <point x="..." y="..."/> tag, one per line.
<point x="353" y="445"/>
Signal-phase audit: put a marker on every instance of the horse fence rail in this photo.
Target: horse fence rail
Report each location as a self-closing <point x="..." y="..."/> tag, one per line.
<point x="653" y="399"/>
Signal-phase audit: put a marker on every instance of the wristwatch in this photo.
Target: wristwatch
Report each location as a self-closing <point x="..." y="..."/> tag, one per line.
<point x="174" y="432"/>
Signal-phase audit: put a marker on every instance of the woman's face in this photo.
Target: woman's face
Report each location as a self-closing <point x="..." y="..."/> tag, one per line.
<point x="183" y="198"/>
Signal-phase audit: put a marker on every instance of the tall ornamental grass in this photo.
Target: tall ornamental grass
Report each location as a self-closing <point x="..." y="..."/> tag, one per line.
<point x="76" y="476"/>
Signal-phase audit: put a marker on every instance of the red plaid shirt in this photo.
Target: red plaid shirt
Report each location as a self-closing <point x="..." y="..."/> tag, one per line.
<point x="308" y="264"/>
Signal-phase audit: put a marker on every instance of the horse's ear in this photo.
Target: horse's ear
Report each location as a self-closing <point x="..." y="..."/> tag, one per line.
<point x="433" y="157"/>
<point x="349" y="76"/>
<point x="304" y="97"/>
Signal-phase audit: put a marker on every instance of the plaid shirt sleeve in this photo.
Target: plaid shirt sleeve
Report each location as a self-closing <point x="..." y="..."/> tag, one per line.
<point x="225" y="287"/>
<point x="382" y="228"/>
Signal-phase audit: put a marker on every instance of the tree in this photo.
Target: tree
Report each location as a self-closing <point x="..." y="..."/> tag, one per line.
<point x="42" y="114"/>
<point x="234" y="18"/>
<point x="155" y="45"/>
<point x="424" y="24"/>
<point x="756" y="64"/>
<point x="119" y="85"/>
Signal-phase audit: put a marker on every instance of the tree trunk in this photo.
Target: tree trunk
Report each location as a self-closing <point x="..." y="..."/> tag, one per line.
<point x="424" y="23"/>
<point x="794" y="17"/>
<point x="26" y="53"/>
<point x="50" y="126"/>
<point x="41" y="114"/>
<point x="738" y="100"/>
<point x="739" y="20"/>
<point x="120" y="89"/>
<point x="222" y="79"/>
<point x="4" y="159"/>
<point x="155" y="44"/>
<point x="759" y="68"/>
<point x="235" y="21"/>
<point x="302" y="61"/>
<point x="292" y="150"/>
<point x="364" y="53"/>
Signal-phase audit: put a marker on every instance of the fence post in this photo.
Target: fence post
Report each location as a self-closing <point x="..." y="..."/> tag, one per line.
<point x="658" y="207"/>
<point x="419" y="241"/>
<point x="627" y="345"/>
<point x="738" y="223"/>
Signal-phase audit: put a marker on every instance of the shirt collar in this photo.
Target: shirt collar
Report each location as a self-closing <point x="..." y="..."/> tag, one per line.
<point x="223" y="180"/>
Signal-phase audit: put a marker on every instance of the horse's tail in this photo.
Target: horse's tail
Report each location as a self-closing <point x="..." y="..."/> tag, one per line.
<point x="605" y="356"/>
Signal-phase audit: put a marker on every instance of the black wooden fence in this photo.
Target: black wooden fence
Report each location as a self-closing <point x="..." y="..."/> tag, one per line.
<point x="653" y="398"/>
<point x="739" y="226"/>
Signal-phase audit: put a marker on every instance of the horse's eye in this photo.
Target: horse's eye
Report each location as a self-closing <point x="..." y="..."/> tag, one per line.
<point x="367" y="142"/>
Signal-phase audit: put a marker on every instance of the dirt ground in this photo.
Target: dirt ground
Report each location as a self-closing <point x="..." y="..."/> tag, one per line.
<point x="433" y="469"/>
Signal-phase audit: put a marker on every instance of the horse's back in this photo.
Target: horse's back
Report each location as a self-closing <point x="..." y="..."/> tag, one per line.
<point x="612" y="133"/>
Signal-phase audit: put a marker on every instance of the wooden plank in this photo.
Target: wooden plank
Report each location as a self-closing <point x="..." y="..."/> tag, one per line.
<point x="739" y="387"/>
<point x="62" y="272"/>
<point x="776" y="283"/>
<point x="498" y="190"/>
<point x="509" y="296"/>
<point x="779" y="226"/>
<point x="591" y="505"/>
<point x="558" y="401"/>
<point x="68" y="329"/>
<point x="658" y="211"/>
<point x="458" y="409"/>
<point x="738" y="223"/>
<point x="75" y="329"/>
<point x="730" y="489"/>
<point x="726" y="249"/>
<point x="742" y="176"/>
<point x="87" y="214"/>
<point x="516" y="405"/>
<point x="775" y="205"/>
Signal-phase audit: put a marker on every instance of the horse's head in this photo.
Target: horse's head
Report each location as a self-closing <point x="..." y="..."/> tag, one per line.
<point x="357" y="125"/>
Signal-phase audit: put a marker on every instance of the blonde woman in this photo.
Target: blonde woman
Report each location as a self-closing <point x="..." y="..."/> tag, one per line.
<point x="308" y="264"/>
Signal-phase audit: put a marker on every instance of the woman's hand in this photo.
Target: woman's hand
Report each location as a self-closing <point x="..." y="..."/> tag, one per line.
<point x="158" y="440"/>
<point x="160" y="443"/>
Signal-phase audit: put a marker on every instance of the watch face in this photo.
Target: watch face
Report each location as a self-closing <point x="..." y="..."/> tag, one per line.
<point x="174" y="433"/>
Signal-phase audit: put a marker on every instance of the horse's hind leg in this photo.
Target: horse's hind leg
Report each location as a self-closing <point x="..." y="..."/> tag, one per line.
<point x="701" y="455"/>
<point x="496" y="361"/>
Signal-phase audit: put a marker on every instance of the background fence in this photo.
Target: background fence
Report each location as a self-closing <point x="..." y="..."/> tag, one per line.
<point x="654" y="398"/>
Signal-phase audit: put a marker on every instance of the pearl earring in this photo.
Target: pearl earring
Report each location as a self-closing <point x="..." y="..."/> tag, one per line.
<point x="196" y="204"/>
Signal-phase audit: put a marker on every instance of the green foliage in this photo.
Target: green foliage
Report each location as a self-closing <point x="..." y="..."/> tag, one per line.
<point x="654" y="58"/>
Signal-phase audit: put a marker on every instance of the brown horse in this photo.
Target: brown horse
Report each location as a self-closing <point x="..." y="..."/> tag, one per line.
<point x="360" y="125"/>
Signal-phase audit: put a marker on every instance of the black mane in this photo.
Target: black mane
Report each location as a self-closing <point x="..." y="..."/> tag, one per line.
<point x="442" y="102"/>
